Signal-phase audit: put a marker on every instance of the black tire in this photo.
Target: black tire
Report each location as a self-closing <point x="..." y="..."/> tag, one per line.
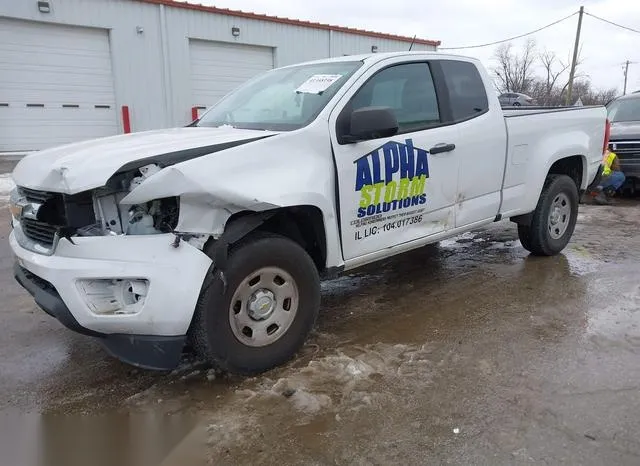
<point x="536" y="237"/>
<point x="211" y="330"/>
<point x="517" y="104"/>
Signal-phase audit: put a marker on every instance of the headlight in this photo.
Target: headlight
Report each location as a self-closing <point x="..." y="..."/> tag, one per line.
<point x="16" y="203"/>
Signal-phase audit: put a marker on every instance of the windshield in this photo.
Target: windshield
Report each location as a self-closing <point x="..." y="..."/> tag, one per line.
<point x="624" y="110"/>
<point x="281" y="100"/>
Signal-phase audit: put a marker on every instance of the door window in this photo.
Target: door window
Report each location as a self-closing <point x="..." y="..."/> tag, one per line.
<point x="408" y="90"/>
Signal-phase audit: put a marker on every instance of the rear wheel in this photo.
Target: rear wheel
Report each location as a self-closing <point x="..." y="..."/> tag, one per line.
<point x="517" y="104"/>
<point x="554" y="219"/>
<point x="264" y="314"/>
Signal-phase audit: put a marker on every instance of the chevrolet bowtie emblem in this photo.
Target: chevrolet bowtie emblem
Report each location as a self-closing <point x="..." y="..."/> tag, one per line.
<point x="30" y="210"/>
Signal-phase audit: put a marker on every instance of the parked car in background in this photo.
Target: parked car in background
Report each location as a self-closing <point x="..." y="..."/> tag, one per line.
<point x="514" y="99"/>
<point x="624" y="114"/>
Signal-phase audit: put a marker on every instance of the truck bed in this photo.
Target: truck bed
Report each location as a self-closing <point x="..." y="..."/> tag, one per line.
<point x="512" y="112"/>
<point x="548" y="133"/>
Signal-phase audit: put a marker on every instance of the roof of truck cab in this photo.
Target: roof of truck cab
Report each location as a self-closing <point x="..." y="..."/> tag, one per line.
<point x="376" y="57"/>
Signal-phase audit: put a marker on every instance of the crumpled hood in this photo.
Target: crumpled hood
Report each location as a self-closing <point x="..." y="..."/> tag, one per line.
<point x="625" y="130"/>
<point x="81" y="166"/>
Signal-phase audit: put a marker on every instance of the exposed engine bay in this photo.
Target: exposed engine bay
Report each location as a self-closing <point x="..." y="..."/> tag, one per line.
<point x="153" y="217"/>
<point x="45" y="216"/>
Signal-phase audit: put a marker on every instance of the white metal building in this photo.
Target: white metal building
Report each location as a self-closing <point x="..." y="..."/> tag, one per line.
<point x="77" y="69"/>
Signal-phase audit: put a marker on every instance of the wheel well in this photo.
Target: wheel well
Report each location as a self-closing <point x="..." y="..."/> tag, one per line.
<point x="302" y="224"/>
<point x="571" y="166"/>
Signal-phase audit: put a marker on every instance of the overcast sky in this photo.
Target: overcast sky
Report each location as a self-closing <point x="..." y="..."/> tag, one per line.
<point x="469" y="22"/>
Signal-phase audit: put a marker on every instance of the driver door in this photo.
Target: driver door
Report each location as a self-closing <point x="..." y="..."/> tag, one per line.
<point x="399" y="189"/>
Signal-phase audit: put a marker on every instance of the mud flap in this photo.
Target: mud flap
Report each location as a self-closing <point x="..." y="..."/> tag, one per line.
<point x="596" y="181"/>
<point x="160" y="353"/>
<point x="584" y="193"/>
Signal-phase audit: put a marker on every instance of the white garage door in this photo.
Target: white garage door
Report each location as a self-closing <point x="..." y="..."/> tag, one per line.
<point x="56" y="85"/>
<point x="217" y="68"/>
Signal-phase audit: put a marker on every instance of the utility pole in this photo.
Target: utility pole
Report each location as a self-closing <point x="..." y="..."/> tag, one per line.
<point x="575" y="56"/>
<point x="626" y="72"/>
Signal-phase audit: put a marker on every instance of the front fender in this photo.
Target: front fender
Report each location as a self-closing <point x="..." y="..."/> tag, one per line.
<point x="286" y="170"/>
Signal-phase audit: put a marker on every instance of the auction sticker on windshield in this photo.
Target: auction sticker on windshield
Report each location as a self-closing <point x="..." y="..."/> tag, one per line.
<point x="318" y="83"/>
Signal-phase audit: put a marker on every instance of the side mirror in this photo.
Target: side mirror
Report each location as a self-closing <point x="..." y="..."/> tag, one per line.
<point x="372" y="123"/>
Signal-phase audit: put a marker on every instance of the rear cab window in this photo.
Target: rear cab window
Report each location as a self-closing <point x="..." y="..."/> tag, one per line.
<point x="465" y="89"/>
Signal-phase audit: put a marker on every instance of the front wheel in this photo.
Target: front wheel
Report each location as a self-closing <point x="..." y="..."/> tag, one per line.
<point x="554" y="219"/>
<point x="264" y="314"/>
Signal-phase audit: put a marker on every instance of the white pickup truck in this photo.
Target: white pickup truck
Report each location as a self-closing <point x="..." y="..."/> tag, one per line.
<point x="216" y="235"/>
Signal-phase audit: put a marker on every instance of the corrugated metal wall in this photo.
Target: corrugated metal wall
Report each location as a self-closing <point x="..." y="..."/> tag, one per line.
<point x="350" y="44"/>
<point x="150" y="48"/>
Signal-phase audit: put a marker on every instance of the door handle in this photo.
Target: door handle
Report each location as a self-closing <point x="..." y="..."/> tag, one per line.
<point x="441" y="148"/>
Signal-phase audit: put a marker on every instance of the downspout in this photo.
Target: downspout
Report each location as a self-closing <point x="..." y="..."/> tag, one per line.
<point x="166" y="70"/>
<point x="330" y="43"/>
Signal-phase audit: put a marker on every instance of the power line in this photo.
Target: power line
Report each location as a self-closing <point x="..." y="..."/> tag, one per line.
<point x="610" y="65"/>
<point x="612" y="23"/>
<point x="511" y="38"/>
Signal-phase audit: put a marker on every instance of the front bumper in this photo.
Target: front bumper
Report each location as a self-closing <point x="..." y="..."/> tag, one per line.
<point x="146" y="351"/>
<point x="154" y="336"/>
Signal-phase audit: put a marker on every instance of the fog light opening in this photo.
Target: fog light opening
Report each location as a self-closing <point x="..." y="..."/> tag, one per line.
<point x="133" y="291"/>
<point x="114" y="296"/>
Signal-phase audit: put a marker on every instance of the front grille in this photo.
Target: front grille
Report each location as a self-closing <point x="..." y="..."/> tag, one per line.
<point x="39" y="197"/>
<point x="626" y="149"/>
<point x="51" y="208"/>
<point x="38" y="231"/>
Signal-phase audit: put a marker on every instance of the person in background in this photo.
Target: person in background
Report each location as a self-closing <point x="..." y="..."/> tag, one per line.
<point x="612" y="178"/>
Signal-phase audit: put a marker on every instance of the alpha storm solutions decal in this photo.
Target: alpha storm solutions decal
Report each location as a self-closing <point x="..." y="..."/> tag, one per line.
<point x="390" y="178"/>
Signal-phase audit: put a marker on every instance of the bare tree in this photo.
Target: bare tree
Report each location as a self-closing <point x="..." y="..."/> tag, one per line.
<point x="583" y="90"/>
<point x="548" y="82"/>
<point x="604" y="96"/>
<point x="553" y="69"/>
<point x="515" y="72"/>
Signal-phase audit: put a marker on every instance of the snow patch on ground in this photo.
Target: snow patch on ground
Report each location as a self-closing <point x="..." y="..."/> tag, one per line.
<point x="351" y="382"/>
<point x="581" y="261"/>
<point x="346" y="283"/>
<point x="355" y="379"/>
<point x="505" y="245"/>
<point x="6" y="185"/>
<point x="459" y="241"/>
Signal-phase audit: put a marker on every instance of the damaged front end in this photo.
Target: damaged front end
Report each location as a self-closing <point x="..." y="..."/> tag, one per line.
<point x="41" y="219"/>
